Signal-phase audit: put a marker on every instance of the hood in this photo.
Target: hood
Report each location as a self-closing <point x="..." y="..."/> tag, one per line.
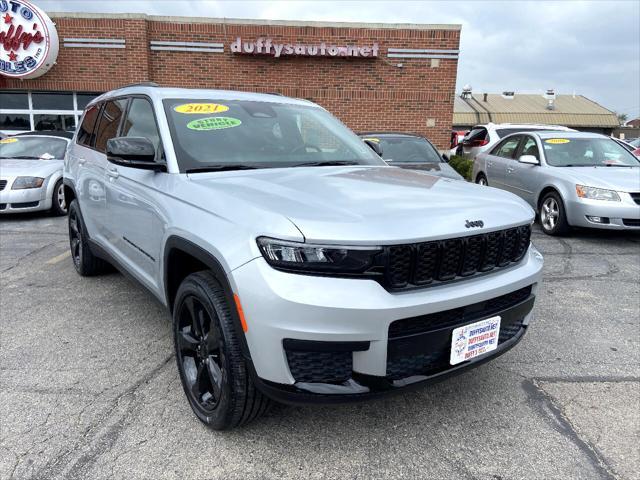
<point x="32" y="168"/>
<point x="440" y="169"/>
<point x="367" y="205"/>
<point x="622" y="179"/>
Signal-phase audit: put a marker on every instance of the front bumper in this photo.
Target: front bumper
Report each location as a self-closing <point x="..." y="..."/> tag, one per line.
<point x="623" y="215"/>
<point x="356" y="314"/>
<point x="27" y="200"/>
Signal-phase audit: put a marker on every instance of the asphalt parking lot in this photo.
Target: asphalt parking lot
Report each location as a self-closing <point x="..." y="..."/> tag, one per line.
<point x="89" y="387"/>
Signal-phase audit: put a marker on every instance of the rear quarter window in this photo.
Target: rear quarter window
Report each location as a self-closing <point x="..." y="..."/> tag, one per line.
<point x="86" y="131"/>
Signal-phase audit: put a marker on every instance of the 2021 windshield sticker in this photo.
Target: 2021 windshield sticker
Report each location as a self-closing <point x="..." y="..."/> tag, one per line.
<point x="213" y="123"/>
<point x="557" y="141"/>
<point x="200" y="108"/>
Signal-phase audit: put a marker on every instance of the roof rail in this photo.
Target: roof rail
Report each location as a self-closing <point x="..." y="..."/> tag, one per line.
<point x="141" y="84"/>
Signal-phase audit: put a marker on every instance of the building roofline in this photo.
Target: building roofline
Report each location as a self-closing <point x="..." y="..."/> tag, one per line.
<point x="249" y="21"/>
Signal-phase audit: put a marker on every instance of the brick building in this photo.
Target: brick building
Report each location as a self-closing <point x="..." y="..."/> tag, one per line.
<point x="372" y="76"/>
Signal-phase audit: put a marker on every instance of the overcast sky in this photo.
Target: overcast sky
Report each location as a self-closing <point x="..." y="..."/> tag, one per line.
<point x="590" y="47"/>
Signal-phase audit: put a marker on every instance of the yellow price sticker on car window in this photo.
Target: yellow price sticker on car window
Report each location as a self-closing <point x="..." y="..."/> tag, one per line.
<point x="557" y="141"/>
<point x="375" y="140"/>
<point x="201" y="108"/>
<point x="9" y="140"/>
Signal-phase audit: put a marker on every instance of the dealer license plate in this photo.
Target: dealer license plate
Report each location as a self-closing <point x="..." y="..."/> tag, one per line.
<point x="471" y="341"/>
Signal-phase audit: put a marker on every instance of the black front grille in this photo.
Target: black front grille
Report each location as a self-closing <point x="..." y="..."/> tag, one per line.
<point x="421" y="264"/>
<point x="3" y="206"/>
<point x="3" y="183"/>
<point x="25" y="205"/>
<point x="320" y="367"/>
<point x="636" y="197"/>
<point x="631" y="222"/>
<point x="457" y="316"/>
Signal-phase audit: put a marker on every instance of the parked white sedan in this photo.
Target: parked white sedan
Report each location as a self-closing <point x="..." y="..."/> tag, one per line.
<point x="31" y="172"/>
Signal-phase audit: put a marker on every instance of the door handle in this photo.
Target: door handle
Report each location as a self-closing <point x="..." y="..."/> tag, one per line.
<point x="82" y="161"/>
<point x="112" y="172"/>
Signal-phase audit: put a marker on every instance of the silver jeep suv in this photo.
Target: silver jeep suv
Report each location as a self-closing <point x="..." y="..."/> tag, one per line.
<point x="297" y="266"/>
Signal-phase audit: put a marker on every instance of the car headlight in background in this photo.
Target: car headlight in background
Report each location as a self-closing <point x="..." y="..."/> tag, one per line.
<point x="593" y="193"/>
<point x="22" y="183"/>
<point x="298" y="256"/>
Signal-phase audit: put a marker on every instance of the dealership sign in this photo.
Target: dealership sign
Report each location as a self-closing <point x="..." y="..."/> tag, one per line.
<point x="28" y="40"/>
<point x="266" y="46"/>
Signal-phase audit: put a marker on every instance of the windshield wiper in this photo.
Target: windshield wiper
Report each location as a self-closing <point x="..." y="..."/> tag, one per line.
<point x="23" y="157"/>
<point x="220" y="168"/>
<point x="327" y="163"/>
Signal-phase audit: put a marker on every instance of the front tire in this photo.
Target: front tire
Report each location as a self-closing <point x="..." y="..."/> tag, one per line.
<point x="553" y="218"/>
<point x="213" y="372"/>
<point x="85" y="262"/>
<point x="58" y="202"/>
<point x="482" y="180"/>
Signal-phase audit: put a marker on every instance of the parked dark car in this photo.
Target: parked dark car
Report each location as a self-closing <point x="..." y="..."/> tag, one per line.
<point x="412" y="152"/>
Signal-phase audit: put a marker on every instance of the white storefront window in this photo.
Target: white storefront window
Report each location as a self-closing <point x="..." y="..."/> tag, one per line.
<point x="35" y="110"/>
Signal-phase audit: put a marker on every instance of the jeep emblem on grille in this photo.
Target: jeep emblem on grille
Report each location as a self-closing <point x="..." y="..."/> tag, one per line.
<point x="474" y="223"/>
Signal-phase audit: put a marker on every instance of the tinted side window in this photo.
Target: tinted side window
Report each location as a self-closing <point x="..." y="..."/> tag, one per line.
<point x="109" y="122"/>
<point x="507" y="148"/>
<point x="140" y="122"/>
<point x="530" y="147"/>
<point x="86" y="131"/>
<point x="476" y="134"/>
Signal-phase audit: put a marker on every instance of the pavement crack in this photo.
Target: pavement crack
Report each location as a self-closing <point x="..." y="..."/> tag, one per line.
<point x="545" y="405"/>
<point x="100" y="436"/>
<point x="32" y="252"/>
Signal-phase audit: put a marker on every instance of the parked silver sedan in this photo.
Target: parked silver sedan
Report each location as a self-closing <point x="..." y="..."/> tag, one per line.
<point x="571" y="178"/>
<point x="31" y="172"/>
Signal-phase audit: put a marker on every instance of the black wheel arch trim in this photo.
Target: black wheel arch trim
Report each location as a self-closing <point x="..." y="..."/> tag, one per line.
<point x="214" y="265"/>
<point x="68" y="183"/>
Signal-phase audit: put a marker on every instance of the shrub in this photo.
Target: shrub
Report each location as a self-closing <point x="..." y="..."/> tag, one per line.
<point x="462" y="165"/>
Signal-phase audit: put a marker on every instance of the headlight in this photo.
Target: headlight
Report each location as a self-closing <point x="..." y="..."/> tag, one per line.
<point x="21" y="183"/>
<point x="594" y="193"/>
<point x="317" y="258"/>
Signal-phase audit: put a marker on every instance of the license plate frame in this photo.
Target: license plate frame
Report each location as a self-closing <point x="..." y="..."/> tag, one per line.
<point x="474" y="340"/>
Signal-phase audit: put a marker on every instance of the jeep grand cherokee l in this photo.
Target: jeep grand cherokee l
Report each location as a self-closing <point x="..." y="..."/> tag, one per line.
<point x="297" y="265"/>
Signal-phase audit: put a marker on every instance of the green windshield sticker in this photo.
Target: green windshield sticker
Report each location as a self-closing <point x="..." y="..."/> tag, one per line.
<point x="213" y="123"/>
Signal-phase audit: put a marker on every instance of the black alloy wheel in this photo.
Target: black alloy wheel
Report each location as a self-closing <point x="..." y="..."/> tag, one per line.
<point x="75" y="238"/>
<point x="214" y="373"/>
<point x="85" y="262"/>
<point x="200" y="354"/>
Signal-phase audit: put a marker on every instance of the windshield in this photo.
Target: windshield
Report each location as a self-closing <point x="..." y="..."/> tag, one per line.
<point x="586" y="152"/>
<point x="42" y="148"/>
<point x="406" y="149"/>
<point x="209" y="133"/>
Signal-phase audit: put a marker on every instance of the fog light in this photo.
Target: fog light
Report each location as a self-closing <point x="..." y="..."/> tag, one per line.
<point x="598" y="219"/>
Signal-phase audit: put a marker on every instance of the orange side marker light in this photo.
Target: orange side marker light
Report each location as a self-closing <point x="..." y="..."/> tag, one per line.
<point x="243" y="321"/>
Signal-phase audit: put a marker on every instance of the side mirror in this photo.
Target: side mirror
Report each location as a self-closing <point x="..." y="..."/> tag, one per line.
<point x="374" y="146"/>
<point x="445" y="157"/>
<point x="133" y="152"/>
<point x="529" y="160"/>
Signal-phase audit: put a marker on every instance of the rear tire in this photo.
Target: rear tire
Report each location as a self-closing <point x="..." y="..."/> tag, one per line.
<point x="482" y="180"/>
<point x="214" y="374"/>
<point x="58" y="202"/>
<point x="85" y="262"/>
<point x="553" y="218"/>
